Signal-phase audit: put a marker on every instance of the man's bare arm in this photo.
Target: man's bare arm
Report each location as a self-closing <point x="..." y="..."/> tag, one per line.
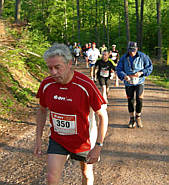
<point x="40" y="121"/>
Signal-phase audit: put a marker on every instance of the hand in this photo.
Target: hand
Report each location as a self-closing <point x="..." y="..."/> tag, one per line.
<point x="138" y="74"/>
<point x="38" y="148"/>
<point x="127" y="78"/>
<point x="94" y="155"/>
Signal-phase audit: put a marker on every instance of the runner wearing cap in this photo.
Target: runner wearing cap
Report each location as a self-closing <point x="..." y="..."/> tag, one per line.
<point x="114" y="55"/>
<point x="133" y="67"/>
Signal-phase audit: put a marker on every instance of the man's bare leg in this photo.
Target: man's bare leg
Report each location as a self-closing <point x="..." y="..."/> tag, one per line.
<point x="55" y="166"/>
<point x="104" y="93"/>
<point x="87" y="173"/>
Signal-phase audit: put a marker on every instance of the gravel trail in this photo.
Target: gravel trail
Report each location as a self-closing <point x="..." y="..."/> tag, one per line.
<point x="129" y="156"/>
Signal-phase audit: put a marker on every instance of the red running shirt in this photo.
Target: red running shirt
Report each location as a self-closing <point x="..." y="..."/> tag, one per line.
<point x="70" y="105"/>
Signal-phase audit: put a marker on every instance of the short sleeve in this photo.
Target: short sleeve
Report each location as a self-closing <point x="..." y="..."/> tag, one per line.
<point x="40" y="95"/>
<point x="95" y="98"/>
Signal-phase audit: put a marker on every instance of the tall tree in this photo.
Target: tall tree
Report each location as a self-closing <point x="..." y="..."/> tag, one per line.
<point x="78" y="20"/>
<point x="65" y="25"/>
<point x="96" y="17"/>
<point x="141" y="23"/>
<point x="17" y="11"/>
<point x="127" y="20"/>
<point x="168" y="56"/>
<point x="137" y="22"/>
<point x="104" y="22"/>
<point x="73" y="26"/>
<point x="108" y="15"/>
<point x="159" y="53"/>
<point x="1" y="6"/>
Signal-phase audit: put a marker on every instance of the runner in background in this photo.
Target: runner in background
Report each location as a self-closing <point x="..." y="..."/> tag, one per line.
<point x="76" y="53"/>
<point x="79" y="45"/>
<point x="84" y="53"/>
<point x="103" y="69"/>
<point x="114" y="55"/>
<point x="72" y="98"/>
<point x="133" y="67"/>
<point x="70" y="46"/>
<point x="90" y="45"/>
<point x="102" y="48"/>
<point x="74" y="45"/>
<point x="92" y="55"/>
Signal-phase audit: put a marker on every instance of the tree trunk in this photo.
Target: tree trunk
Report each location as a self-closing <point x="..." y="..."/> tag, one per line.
<point x="127" y="20"/>
<point x="65" y="25"/>
<point x="17" y="11"/>
<point x="78" y="20"/>
<point x="119" y="24"/>
<point x="119" y="27"/>
<point x="159" y="53"/>
<point x="141" y="24"/>
<point x="90" y="23"/>
<point x="104" y="23"/>
<point x="168" y="56"/>
<point x="74" y="20"/>
<point x="83" y="14"/>
<point x="96" y="17"/>
<point x="1" y="6"/>
<point x="108" y="34"/>
<point x="137" y="23"/>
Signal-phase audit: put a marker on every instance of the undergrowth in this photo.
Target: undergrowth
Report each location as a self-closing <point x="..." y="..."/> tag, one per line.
<point x="21" y="68"/>
<point x="160" y="75"/>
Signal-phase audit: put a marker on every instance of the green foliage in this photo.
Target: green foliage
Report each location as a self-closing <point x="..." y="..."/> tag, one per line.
<point x="6" y="102"/>
<point x="56" y="21"/>
<point x="160" y="75"/>
<point x="6" y="105"/>
<point x="8" y="10"/>
<point x="18" y="66"/>
<point x="23" y="95"/>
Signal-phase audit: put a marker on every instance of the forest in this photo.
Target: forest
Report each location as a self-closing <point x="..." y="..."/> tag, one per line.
<point x="101" y="21"/>
<point x="27" y="29"/>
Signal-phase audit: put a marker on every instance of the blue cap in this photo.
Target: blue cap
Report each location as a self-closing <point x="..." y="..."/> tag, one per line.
<point x="132" y="46"/>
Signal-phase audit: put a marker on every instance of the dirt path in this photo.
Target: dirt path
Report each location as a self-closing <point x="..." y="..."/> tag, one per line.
<point x="129" y="156"/>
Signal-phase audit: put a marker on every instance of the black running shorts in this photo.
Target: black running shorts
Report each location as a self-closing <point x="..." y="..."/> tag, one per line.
<point x="56" y="148"/>
<point x="104" y="81"/>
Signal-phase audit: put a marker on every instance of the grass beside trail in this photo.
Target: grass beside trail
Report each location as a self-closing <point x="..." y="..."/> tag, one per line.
<point x="160" y="75"/>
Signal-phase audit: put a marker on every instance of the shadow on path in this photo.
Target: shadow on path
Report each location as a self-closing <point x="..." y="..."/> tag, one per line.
<point x="12" y="121"/>
<point x="134" y="155"/>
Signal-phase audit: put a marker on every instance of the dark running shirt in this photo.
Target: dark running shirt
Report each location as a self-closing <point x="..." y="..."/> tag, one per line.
<point x="104" y="68"/>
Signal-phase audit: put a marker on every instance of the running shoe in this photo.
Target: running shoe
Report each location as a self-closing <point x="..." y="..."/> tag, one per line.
<point x="132" y="123"/>
<point x="139" y="122"/>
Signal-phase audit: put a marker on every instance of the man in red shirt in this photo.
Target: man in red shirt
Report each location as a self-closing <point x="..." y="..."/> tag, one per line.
<point x="72" y="98"/>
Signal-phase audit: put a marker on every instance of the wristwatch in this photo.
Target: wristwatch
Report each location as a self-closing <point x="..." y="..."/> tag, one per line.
<point x="99" y="144"/>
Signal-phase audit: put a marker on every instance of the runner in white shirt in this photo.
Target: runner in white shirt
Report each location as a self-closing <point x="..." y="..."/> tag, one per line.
<point x="92" y="55"/>
<point x="114" y="55"/>
<point x="76" y="54"/>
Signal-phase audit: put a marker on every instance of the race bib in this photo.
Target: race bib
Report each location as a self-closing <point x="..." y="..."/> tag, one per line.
<point x="134" y="80"/>
<point x="64" y="124"/>
<point x="114" y="56"/>
<point x="104" y="73"/>
<point x="92" y="61"/>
